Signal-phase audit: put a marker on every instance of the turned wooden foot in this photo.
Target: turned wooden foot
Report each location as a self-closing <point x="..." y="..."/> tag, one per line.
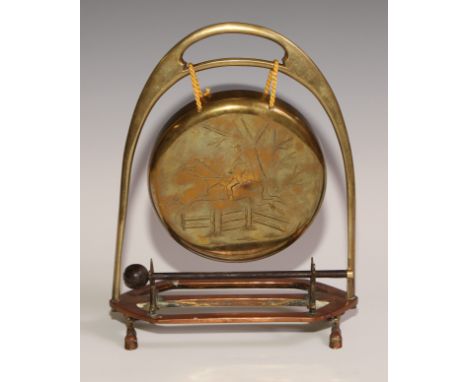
<point x="131" y="342"/>
<point x="336" y="341"/>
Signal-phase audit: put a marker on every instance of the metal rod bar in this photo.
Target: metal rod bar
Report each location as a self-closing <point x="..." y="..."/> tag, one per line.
<point x="153" y="291"/>
<point x="312" y="287"/>
<point x="246" y="275"/>
<point x="227" y="301"/>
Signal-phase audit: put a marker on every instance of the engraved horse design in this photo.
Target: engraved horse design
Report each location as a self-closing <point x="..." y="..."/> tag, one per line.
<point x="237" y="195"/>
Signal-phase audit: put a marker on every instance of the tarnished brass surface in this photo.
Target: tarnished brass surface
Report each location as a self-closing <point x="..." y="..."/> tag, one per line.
<point x="237" y="181"/>
<point x="295" y="64"/>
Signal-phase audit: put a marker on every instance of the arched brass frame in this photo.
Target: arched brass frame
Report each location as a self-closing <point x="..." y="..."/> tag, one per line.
<point x="295" y="64"/>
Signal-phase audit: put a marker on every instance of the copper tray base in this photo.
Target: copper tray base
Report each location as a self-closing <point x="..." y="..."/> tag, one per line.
<point x="333" y="300"/>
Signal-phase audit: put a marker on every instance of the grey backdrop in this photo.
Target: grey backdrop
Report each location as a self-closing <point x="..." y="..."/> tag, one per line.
<point x="121" y="43"/>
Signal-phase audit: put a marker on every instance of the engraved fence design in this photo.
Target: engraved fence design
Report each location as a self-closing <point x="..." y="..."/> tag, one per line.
<point x="220" y="221"/>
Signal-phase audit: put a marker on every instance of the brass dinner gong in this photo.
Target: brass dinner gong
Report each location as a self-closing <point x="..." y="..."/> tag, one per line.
<point x="235" y="176"/>
<point x="238" y="181"/>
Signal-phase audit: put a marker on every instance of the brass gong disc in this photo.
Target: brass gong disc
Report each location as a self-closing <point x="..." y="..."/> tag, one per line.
<point x="237" y="181"/>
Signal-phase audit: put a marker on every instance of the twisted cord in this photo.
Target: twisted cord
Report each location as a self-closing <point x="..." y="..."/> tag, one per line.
<point x="270" y="86"/>
<point x="271" y="83"/>
<point x="197" y="92"/>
